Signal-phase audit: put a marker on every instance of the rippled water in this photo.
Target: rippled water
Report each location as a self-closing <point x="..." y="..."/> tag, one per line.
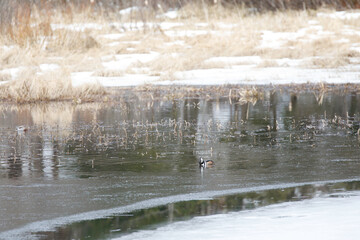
<point x="80" y="162"/>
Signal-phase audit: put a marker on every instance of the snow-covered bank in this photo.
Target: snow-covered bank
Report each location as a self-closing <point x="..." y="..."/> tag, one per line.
<point x="264" y="76"/>
<point x="256" y="69"/>
<point x="282" y="48"/>
<point x="319" y="218"/>
<point x="242" y="75"/>
<point x="333" y="67"/>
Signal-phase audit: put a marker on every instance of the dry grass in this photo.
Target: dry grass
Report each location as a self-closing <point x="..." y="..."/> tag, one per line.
<point x="88" y="92"/>
<point x="244" y="39"/>
<point x="173" y="63"/>
<point x="197" y="11"/>
<point x="5" y="77"/>
<point x="251" y="95"/>
<point x="332" y="62"/>
<point x="82" y="62"/>
<point x="30" y="87"/>
<point x="109" y="73"/>
<point x="35" y="41"/>
<point x="122" y="48"/>
<point x="324" y="46"/>
<point x="72" y="41"/>
<point x="214" y="64"/>
<point x="52" y="86"/>
<point x="18" y="56"/>
<point x="30" y="29"/>
<point x="202" y="48"/>
<point x="268" y="63"/>
<point x="141" y="43"/>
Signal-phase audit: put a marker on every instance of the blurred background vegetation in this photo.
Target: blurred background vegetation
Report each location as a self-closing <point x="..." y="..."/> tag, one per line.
<point x="17" y="16"/>
<point x="18" y="12"/>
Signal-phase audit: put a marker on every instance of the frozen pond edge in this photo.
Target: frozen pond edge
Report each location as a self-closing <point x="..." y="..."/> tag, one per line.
<point x="51" y="224"/>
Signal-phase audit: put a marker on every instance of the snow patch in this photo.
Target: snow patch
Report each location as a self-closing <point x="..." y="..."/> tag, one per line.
<point x="113" y="36"/>
<point x="129" y="10"/>
<point x="81" y="78"/>
<point x="48" y="67"/>
<point x="345" y="15"/>
<point x="171" y="14"/>
<point x="263" y="76"/>
<point x="123" y="61"/>
<point x="236" y="60"/>
<point x="13" y="72"/>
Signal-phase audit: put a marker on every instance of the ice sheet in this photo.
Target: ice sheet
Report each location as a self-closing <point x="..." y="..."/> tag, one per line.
<point x="319" y="218"/>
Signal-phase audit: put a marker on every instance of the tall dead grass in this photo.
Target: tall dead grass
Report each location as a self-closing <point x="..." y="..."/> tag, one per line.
<point x="17" y="56"/>
<point x="203" y="47"/>
<point x="52" y="86"/>
<point x="245" y="38"/>
<point x="34" y="40"/>
<point x="200" y="11"/>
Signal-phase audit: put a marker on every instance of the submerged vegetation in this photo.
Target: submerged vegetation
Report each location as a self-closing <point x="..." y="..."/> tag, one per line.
<point x="43" y="43"/>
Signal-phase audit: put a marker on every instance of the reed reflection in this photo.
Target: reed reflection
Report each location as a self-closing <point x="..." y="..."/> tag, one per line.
<point x="125" y="223"/>
<point x="147" y="125"/>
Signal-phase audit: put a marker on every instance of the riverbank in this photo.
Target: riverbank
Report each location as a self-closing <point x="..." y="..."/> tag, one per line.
<point x="187" y="46"/>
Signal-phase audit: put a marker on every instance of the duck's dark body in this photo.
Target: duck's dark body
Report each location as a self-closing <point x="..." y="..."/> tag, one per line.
<point x="207" y="163"/>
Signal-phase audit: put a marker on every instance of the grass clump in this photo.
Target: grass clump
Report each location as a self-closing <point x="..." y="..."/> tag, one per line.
<point x="109" y="73"/>
<point x="72" y="41"/>
<point x="52" y="86"/>
<point x="251" y="95"/>
<point x="331" y="62"/>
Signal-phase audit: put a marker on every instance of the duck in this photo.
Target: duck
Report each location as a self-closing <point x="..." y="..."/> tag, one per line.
<point x="207" y="163"/>
<point x="21" y="129"/>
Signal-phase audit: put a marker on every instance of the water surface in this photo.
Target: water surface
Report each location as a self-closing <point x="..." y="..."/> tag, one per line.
<point x="74" y="160"/>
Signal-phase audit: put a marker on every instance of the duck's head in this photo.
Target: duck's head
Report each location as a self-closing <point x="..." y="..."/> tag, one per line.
<point x="201" y="162"/>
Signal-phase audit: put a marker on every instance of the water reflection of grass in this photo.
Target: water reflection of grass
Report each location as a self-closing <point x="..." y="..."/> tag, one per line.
<point x="120" y="224"/>
<point x="56" y="117"/>
<point x="147" y="119"/>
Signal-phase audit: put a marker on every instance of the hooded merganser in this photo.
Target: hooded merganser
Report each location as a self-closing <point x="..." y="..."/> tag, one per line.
<point x="207" y="163"/>
<point x="21" y="129"/>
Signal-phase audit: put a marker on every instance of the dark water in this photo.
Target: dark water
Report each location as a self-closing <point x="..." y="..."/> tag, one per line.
<point x="80" y="162"/>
